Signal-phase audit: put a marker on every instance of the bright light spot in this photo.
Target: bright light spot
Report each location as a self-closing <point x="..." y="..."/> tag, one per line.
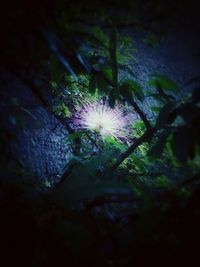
<point x="103" y="119"/>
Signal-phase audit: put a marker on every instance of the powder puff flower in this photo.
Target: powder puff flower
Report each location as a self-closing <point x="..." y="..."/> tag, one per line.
<point x="102" y="118"/>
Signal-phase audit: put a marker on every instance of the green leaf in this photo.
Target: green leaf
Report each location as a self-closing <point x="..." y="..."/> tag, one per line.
<point x="164" y="82"/>
<point x="107" y="71"/>
<point x="53" y="84"/>
<point x="164" y="115"/>
<point x="62" y="110"/>
<point x="114" y="62"/>
<point x="155" y="109"/>
<point x="157" y="97"/>
<point x="110" y="140"/>
<point x="138" y="128"/>
<point x="138" y="162"/>
<point x="169" y="151"/>
<point x="76" y="135"/>
<point x="157" y="149"/>
<point x="163" y="181"/>
<point x="130" y="89"/>
<point x="100" y="36"/>
<point x="92" y="84"/>
<point x="139" y="125"/>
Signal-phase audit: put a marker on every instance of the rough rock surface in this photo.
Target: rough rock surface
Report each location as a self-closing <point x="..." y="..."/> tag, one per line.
<point x="40" y="139"/>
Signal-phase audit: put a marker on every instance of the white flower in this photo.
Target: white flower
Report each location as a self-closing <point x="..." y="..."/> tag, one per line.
<point x="104" y="119"/>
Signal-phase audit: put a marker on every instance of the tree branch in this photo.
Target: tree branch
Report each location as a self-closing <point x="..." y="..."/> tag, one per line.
<point x="114" y="63"/>
<point x="145" y="137"/>
<point x="141" y="114"/>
